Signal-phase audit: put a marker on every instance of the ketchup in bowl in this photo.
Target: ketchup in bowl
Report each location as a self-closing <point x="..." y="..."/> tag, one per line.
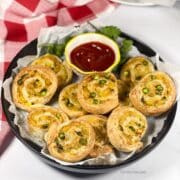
<point x="92" y="56"/>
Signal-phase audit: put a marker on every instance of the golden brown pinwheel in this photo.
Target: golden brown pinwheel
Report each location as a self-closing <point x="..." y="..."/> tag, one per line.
<point x="40" y="119"/>
<point x="102" y="145"/>
<point x="71" y="141"/>
<point x="154" y="95"/>
<point x="135" y="69"/>
<point x="69" y="103"/>
<point x="125" y="128"/>
<point x="64" y="74"/>
<point x="33" y="86"/>
<point x="98" y="93"/>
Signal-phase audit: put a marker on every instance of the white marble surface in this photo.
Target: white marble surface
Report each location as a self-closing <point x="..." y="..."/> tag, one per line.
<point x="160" y="28"/>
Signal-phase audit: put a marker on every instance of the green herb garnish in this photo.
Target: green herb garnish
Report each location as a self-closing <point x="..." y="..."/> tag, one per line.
<point x="83" y="141"/>
<point x="56" y="49"/>
<point x="112" y="32"/>
<point x="124" y="49"/>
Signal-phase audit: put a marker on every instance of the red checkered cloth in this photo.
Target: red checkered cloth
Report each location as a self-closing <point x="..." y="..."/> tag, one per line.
<point x="21" y="21"/>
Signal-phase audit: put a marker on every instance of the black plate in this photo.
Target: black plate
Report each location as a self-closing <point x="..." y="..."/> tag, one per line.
<point x="30" y="49"/>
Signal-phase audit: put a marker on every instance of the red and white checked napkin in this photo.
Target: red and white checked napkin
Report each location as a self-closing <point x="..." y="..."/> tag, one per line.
<point x="21" y="21"/>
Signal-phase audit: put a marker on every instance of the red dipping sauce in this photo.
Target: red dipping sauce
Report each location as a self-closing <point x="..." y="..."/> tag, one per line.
<point x="92" y="56"/>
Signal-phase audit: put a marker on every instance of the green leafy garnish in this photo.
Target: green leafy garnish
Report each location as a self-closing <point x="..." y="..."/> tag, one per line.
<point x="56" y="49"/>
<point x="112" y="32"/>
<point x="124" y="49"/>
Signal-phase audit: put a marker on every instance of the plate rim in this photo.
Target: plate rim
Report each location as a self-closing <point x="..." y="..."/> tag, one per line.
<point x="87" y="169"/>
<point x="133" y="3"/>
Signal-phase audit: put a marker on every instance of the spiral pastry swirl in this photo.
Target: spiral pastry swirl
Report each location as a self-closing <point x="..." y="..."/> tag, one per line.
<point x="33" y="86"/>
<point x="69" y="103"/>
<point x="63" y="73"/>
<point x="40" y="119"/>
<point x="154" y="95"/>
<point x="71" y="141"/>
<point x="102" y="144"/>
<point x="98" y="93"/>
<point x="125" y="128"/>
<point x="135" y="69"/>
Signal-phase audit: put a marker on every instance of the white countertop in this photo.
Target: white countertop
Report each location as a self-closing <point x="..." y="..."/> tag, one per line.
<point x="160" y="28"/>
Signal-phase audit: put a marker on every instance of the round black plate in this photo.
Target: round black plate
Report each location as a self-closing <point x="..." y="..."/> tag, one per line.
<point x="30" y="49"/>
